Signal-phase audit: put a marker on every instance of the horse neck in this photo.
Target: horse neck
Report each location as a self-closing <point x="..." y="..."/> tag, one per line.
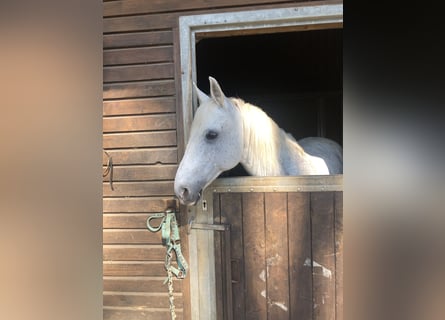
<point x="264" y="142"/>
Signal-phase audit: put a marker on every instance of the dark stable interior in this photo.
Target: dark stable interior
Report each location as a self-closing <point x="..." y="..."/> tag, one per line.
<point x="295" y="77"/>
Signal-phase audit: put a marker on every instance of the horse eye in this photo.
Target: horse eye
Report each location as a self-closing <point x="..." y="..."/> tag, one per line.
<point x="211" y="135"/>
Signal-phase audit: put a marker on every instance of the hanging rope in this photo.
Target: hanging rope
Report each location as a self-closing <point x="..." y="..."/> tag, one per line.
<point x="170" y="239"/>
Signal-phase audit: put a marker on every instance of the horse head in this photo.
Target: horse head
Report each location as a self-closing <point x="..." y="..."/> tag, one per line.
<point x="215" y="144"/>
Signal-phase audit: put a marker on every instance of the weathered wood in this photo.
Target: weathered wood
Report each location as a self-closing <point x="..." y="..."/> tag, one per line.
<point x="140" y="300"/>
<point x="255" y="256"/>
<point x="110" y="313"/>
<point x="277" y="293"/>
<point x="139" y="106"/>
<point x="138" y="284"/>
<point x="150" y="22"/>
<point x="231" y="208"/>
<point x="300" y="276"/>
<point x="150" y="204"/>
<point x="139" y="89"/>
<point x="145" y="173"/>
<point x="126" y="7"/>
<point x="131" y="236"/>
<point x="323" y="255"/>
<point x="143" y="156"/>
<point x="138" y="72"/>
<point x="279" y="184"/>
<point x="338" y="213"/>
<point x="138" y="55"/>
<point x="139" y="139"/>
<point x="145" y="22"/>
<point x="131" y="268"/>
<point x="133" y="252"/>
<point x="131" y="189"/>
<point x="137" y="39"/>
<point x="220" y="275"/>
<point x="139" y="123"/>
<point x="141" y="55"/>
<point x="124" y="220"/>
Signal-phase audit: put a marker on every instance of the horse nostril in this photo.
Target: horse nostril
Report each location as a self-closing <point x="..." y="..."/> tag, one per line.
<point x="185" y="192"/>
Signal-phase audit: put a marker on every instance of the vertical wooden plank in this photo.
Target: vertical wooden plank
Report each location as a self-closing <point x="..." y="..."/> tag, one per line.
<point x="231" y="212"/>
<point x="338" y="255"/>
<point x="277" y="293"/>
<point x="300" y="276"/>
<point x="219" y="272"/>
<point x="254" y="256"/>
<point x="323" y="255"/>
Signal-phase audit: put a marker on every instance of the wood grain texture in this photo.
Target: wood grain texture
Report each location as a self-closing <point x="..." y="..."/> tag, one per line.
<point x="140" y="139"/>
<point x="147" y="22"/>
<point x="148" y="204"/>
<point x="300" y="276"/>
<point x="133" y="268"/>
<point x="137" y="55"/>
<point x="323" y="255"/>
<point x="138" y="72"/>
<point x="139" y="106"/>
<point x="131" y="236"/>
<point x="139" y="7"/>
<point x="277" y="258"/>
<point x="133" y="252"/>
<point x="138" y="89"/>
<point x="119" y="313"/>
<point x="255" y="256"/>
<point x="125" y="220"/>
<point x="139" y="300"/>
<point x="231" y="208"/>
<point x="145" y="173"/>
<point x="139" y="123"/>
<point x="338" y="213"/>
<point x="143" y="156"/>
<point x="138" y="284"/>
<point x="137" y="39"/>
<point x="132" y="189"/>
<point x="220" y="274"/>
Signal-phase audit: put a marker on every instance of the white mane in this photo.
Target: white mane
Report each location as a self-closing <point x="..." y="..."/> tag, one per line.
<point x="269" y="150"/>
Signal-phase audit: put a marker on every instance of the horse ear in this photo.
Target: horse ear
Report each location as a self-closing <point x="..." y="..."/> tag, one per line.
<point x="202" y="97"/>
<point x="216" y="93"/>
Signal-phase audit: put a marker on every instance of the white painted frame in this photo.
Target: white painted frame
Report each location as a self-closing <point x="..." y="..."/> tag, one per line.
<point x="201" y="242"/>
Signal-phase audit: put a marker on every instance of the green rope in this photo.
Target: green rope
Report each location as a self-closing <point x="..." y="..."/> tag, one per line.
<point x="170" y="239"/>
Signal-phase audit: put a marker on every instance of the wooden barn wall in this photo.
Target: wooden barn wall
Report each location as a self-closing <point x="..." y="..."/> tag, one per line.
<point x="140" y="132"/>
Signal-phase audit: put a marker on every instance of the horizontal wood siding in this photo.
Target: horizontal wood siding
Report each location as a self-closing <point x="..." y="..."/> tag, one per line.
<point x="140" y="103"/>
<point x="124" y="7"/>
<point x="139" y="127"/>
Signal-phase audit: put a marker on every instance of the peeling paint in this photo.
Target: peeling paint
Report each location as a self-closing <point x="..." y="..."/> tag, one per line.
<point x="263" y="275"/>
<point x="272" y="260"/>
<point x="263" y="293"/>
<point x="280" y="305"/>
<point x="326" y="272"/>
<point x="272" y="303"/>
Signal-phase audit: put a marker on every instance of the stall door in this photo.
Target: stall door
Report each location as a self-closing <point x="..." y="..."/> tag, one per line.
<point x="285" y="255"/>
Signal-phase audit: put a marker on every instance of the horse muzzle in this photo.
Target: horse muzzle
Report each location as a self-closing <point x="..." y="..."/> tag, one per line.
<point x="187" y="197"/>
